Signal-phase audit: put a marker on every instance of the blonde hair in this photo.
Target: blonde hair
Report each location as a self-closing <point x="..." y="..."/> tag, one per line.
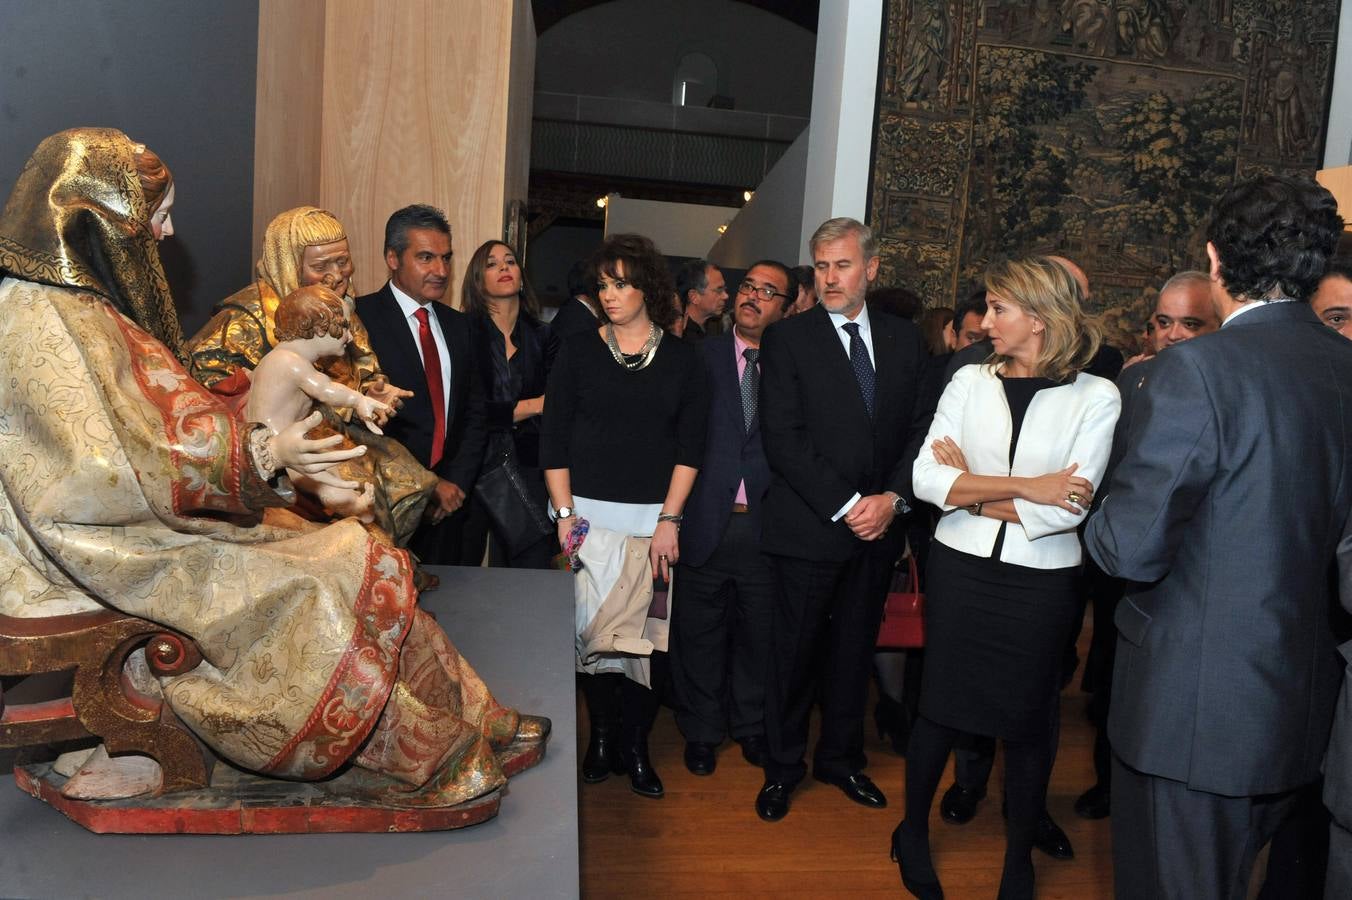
<point x="1045" y="289"/>
<point x="285" y="240"/>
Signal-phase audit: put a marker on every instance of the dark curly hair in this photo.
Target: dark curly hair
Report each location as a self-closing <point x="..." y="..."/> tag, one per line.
<point x="1274" y="235"/>
<point x="644" y="267"/>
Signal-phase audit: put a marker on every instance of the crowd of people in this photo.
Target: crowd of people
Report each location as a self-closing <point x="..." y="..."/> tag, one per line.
<point x="757" y="458"/>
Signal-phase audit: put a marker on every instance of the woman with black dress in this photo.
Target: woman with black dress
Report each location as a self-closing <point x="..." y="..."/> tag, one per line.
<point x="514" y="354"/>
<point x="1012" y="460"/>
<point x="622" y="439"/>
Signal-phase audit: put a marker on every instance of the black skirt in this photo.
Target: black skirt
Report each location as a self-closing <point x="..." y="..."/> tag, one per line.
<point x="995" y="637"/>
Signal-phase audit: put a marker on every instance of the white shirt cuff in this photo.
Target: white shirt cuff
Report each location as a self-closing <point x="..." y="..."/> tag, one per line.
<point x="849" y="505"/>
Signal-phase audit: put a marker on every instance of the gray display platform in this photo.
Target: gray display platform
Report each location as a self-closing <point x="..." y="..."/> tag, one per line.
<point x="516" y="628"/>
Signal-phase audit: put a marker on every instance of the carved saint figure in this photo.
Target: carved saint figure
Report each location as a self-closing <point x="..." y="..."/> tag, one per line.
<point x="305" y="246"/>
<point x="125" y="484"/>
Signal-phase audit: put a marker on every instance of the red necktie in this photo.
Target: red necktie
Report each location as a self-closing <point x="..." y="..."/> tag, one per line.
<point x="432" y="368"/>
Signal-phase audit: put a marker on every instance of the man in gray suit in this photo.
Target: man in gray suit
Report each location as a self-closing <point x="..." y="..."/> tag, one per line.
<point x="1225" y="514"/>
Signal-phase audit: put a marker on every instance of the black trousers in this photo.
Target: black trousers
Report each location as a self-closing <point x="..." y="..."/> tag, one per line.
<point x="721" y="621"/>
<point x="442" y="544"/>
<point x="825" y="630"/>
<point x="1171" y="842"/>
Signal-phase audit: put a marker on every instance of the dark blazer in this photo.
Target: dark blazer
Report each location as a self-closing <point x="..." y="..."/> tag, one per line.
<point x="730" y="455"/>
<point x="1338" y="762"/>
<point x="820" y="442"/>
<point x="572" y="318"/>
<point x="397" y="352"/>
<point x="1225" y="511"/>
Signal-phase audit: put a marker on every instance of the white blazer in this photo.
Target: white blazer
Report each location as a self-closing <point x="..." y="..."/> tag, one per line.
<point x="1070" y="423"/>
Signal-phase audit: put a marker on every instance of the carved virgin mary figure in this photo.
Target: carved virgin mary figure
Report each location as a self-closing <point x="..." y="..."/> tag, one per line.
<point x="125" y="484"/>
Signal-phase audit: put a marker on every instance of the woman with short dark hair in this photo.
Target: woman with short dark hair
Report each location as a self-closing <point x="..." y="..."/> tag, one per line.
<point x="622" y="438"/>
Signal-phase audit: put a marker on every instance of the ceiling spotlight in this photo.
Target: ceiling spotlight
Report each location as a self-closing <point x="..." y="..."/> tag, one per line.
<point x="722" y="228"/>
<point x="747" y="195"/>
<point x="602" y="201"/>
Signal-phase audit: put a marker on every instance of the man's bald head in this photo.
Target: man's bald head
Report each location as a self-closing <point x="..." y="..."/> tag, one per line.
<point x="1075" y="272"/>
<point x="1184" y="309"/>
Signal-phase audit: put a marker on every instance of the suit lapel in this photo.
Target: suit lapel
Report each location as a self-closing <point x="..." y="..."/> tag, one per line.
<point x="395" y="330"/>
<point x="837" y="360"/>
<point x="885" y="366"/>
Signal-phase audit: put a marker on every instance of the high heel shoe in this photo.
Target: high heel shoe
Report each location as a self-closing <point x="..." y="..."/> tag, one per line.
<point x="922" y="881"/>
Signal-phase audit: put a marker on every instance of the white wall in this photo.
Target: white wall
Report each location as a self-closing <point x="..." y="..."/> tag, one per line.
<point x="770" y="225"/>
<point x="678" y="229"/>
<point x="840" y="136"/>
<point x="1338" y="140"/>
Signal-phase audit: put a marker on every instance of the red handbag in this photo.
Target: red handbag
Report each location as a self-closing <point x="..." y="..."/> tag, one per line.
<point x="903" y="624"/>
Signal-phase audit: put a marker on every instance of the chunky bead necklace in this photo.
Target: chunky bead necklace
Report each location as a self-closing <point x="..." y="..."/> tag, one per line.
<point x="634" y="361"/>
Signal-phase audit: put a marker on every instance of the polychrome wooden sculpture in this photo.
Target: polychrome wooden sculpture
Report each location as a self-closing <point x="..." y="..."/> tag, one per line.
<point x="130" y="492"/>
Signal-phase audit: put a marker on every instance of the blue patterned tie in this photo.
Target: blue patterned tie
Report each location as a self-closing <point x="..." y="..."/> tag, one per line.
<point x="750" y="387"/>
<point x="863" y="366"/>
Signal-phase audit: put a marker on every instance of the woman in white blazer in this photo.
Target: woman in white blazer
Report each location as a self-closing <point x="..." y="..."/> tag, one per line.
<point x="1015" y="453"/>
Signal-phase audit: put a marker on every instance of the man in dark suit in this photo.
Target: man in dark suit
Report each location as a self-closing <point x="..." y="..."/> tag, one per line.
<point x="841" y="424"/>
<point x="1183" y="311"/>
<point x="424" y="346"/>
<point x="703" y="293"/>
<point x="720" y="640"/>
<point x="578" y="313"/>
<point x="1225" y="513"/>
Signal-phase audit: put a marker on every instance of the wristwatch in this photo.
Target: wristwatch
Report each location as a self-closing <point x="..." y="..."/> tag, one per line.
<point x="899" y="505"/>
<point x="564" y="512"/>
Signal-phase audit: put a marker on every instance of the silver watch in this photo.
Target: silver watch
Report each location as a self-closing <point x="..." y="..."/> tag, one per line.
<point x="899" y="505"/>
<point x="564" y="512"/>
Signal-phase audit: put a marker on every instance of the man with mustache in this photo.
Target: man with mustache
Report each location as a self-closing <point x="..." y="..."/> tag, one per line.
<point x="720" y="642"/>
<point x="425" y="345"/>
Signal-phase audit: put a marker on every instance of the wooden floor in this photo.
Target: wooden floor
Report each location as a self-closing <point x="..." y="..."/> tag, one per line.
<point x="704" y="837"/>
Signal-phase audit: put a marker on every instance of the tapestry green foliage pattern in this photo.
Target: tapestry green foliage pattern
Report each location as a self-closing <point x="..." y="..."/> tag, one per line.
<point x="1098" y="130"/>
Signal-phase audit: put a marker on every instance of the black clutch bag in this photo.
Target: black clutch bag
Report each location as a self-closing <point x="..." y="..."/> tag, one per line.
<point x="518" y="519"/>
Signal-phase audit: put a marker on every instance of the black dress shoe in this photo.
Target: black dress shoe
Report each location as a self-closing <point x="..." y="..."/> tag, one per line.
<point x="858" y="787"/>
<point x="772" y="803"/>
<point x="1050" y="839"/>
<point x="753" y="750"/>
<point x="912" y="856"/>
<point x="959" y="804"/>
<point x="1095" y="803"/>
<point x="700" y="758"/>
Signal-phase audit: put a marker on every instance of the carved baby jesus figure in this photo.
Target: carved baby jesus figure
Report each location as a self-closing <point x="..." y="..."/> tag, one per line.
<point x="312" y="324"/>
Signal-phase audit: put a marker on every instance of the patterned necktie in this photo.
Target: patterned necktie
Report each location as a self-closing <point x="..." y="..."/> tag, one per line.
<point x="750" y="386"/>
<point x="863" y="366"/>
<point x="432" y="368"/>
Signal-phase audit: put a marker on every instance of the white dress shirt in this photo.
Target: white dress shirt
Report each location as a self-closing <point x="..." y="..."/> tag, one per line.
<point x="838" y="321"/>
<point x="409" y="306"/>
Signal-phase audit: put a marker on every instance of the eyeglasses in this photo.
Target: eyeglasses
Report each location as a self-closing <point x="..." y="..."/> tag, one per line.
<point x="764" y="292"/>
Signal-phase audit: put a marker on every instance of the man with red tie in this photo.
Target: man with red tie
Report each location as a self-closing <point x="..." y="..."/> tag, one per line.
<point x="424" y="345"/>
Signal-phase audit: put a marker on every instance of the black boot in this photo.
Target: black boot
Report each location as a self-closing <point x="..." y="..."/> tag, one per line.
<point x="643" y="778"/>
<point x="603" y="754"/>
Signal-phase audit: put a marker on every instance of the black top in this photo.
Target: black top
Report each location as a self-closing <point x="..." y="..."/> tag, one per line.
<point x="573" y="317"/>
<point x="620" y="432"/>
<point x="506" y="381"/>
<point x="1018" y="394"/>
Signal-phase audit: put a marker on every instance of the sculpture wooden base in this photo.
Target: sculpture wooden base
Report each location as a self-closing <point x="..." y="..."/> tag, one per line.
<point x="240" y="803"/>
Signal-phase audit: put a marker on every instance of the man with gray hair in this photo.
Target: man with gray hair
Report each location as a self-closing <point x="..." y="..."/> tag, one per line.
<point x="703" y="294"/>
<point x="841" y="421"/>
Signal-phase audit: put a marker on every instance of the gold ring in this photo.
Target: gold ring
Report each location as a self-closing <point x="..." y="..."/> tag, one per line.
<point x="1075" y="498"/>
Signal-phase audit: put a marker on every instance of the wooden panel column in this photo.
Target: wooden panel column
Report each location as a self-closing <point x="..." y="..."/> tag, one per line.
<point x="365" y="106"/>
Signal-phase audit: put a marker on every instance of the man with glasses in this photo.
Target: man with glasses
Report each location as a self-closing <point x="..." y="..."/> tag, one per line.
<point x="720" y="640"/>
